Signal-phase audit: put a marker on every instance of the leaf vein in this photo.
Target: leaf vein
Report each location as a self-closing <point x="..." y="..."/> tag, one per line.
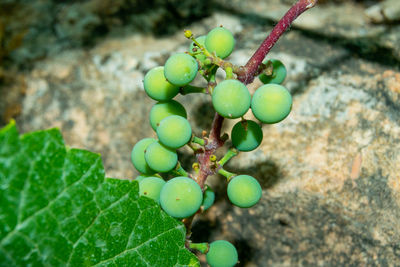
<point x="20" y="224"/>
<point x="8" y="256"/>
<point x="137" y="247"/>
<point x="94" y="220"/>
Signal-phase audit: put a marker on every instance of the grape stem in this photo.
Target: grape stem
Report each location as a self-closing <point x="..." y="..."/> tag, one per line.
<point x="180" y="171"/>
<point x="189" y="89"/>
<point x="195" y="147"/>
<point x="229" y="73"/>
<point x="211" y="80"/>
<point x="246" y="75"/>
<point x="202" y="247"/>
<point x="230" y="154"/>
<point x="198" y="140"/>
<point x="228" y="175"/>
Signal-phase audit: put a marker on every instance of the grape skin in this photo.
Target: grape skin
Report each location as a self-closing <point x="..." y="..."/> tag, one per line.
<point x="244" y="191"/>
<point x="162" y="110"/>
<point x="231" y="99"/>
<point x="246" y="135"/>
<point x="151" y="188"/>
<point x="157" y="87"/>
<point x="208" y="198"/>
<point x="174" y="131"/>
<point x="278" y="73"/>
<point x="137" y="156"/>
<point x="221" y="41"/>
<point x="160" y="158"/>
<point x="181" y="197"/>
<point x="222" y="254"/>
<point x="141" y="177"/>
<point x="271" y="103"/>
<point x="180" y="69"/>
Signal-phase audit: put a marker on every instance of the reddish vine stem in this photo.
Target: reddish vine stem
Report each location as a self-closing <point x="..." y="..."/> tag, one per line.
<point x="206" y="166"/>
<point x="214" y="142"/>
<point x="247" y="74"/>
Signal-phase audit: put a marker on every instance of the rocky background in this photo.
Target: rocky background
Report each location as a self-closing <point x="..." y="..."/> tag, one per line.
<point x="329" y="171"/>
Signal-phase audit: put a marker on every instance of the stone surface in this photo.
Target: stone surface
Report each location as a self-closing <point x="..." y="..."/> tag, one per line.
<point x="349" y="22"/>
<point x="47" y="27"/>
<point x="329" y="172"/>
<point x="387" y="11"/>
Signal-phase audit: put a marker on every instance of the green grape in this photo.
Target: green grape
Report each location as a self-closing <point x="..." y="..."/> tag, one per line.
<point x="231" y="99"/>
<point x="244" y="191"/>
<point x="137" y="155"/>
<point x="162" y="110"/>
<point x="220" y="41"/>
<point x="201" y="40"/>
<point x="151" y="187"/>
<point x="174" y="131"/>
<point x="141" y="177"/>
<point x="246" y="135"/>
<point x="180" y="69"/>
<point x="181" y="197"/>
<point x="208" y="198"/>
<point x="222" y="254"/>
<point x="160" y="158"/>
<point x="278" y="73"/>
<point x="157" y="87"/>
<point x="271" y="103"/>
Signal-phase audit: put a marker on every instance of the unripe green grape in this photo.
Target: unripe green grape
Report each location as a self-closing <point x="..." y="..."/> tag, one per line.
<point x="220" y="41"/>
<point x="137" y="156"/>
<point x="278" y="73"/>
<point x="201" y="40"/>
<point x="244" y="191"/>
<point x="222" y="254"/>
<point x="208" y="198"/>
<point x="246" y="135"/>
<point x="160" y="158"/>
<point x="151" y="187"/>
<point x="157" y="87"/>
<point x="181" y="197"/>
<point x="231" y="99"/>
<point x="141" y="177"/>
<point x="180" y="69"/>
<point x="174" y="131"/>
<point x="271" y="103"/>
<point x="162" y="110"/>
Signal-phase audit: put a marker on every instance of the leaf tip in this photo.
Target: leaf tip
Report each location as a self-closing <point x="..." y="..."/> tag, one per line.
<point x="11" y="126"/>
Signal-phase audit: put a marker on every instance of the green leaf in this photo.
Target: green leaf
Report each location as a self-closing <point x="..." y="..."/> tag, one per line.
<point x="58" y="209"/>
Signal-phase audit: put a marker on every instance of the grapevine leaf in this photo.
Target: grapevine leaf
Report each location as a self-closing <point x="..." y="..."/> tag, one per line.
<point x="58" y="209"/>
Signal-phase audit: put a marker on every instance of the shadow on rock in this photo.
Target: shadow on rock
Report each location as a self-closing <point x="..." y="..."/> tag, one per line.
<point x="245" y="251"/>
<point x="267" y="172"/>
<point x="203" y="229"/>
<point x="203" y="114"/>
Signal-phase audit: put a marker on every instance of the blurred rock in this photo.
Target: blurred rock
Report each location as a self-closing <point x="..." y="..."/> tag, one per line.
<point x="345" y="22"/>
<point x="50" y="26"/>
<point x="385" y="12"/>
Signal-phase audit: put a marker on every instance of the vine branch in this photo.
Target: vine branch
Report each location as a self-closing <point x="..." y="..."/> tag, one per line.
<point x="246" y="75"/>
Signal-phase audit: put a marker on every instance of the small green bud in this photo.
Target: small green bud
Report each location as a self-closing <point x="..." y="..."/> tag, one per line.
<point x="213" y="158"/>
<point x="196" y="166"/>
<point x="188" y="33"/>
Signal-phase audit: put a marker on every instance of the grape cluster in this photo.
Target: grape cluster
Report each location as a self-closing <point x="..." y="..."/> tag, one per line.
<point x="185" y="194"/>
